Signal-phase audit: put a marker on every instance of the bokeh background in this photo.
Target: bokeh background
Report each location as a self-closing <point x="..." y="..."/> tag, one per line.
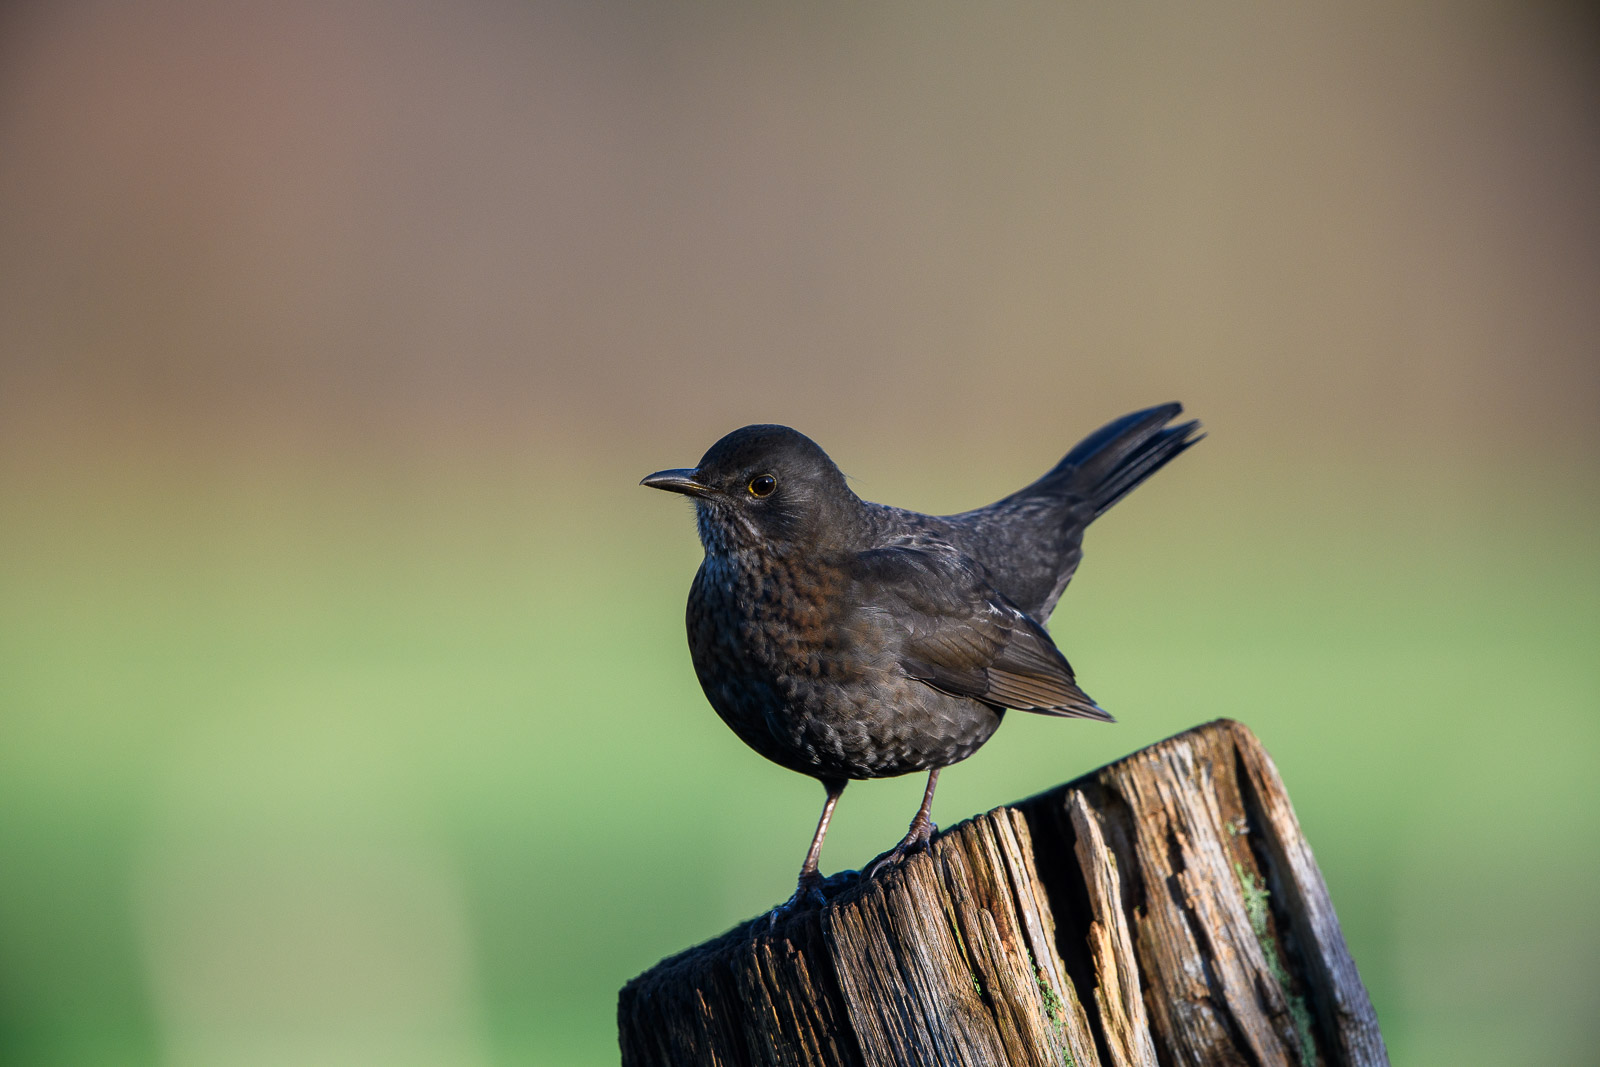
<point x="345" y="713"/>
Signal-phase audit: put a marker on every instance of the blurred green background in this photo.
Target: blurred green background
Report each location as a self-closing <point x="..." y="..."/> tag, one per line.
<point x="345" y="711"/>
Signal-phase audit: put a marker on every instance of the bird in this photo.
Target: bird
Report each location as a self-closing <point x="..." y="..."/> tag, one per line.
<point x="848" y="640"/>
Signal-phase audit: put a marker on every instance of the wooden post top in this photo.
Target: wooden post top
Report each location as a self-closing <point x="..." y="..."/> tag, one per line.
<point x="1164" y="909"/>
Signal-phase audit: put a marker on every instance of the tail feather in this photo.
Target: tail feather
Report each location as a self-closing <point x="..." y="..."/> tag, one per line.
<point x="1110" y="462"/>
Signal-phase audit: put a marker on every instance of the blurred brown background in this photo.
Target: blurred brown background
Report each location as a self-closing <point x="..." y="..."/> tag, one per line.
<point x="339" y="654"/>
<point x="421" y="224"/>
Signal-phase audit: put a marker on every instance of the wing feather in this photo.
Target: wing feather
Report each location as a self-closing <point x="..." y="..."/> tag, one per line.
<point x="964" y="637"/>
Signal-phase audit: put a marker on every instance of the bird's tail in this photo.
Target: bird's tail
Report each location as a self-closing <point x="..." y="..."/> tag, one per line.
<point x="1108" y="463"/>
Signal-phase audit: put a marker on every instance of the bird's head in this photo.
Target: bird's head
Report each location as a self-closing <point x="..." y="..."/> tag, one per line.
<point x="762" y="485"/>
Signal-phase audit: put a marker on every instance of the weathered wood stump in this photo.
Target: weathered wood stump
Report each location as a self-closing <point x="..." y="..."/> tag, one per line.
<point x="1162" y="910"/>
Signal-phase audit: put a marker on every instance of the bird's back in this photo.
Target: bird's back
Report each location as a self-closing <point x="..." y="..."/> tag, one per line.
<point x="1029" y="546"/>
<point x="1031" y="541"/>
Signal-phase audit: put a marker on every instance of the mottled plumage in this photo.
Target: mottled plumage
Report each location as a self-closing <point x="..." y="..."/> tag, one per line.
<point x="848" y="640"/>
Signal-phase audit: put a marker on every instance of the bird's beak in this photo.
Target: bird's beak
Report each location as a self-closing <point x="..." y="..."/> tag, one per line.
<point x="678" y="481"/>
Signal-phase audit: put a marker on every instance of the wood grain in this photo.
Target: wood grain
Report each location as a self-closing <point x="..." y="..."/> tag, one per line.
<point x="1162" y="910"/>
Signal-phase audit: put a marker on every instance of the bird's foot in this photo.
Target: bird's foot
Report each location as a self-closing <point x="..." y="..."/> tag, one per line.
<point x="813" y="892"/>
<point x="917" y="839"/>
<point x="808" y="894"/>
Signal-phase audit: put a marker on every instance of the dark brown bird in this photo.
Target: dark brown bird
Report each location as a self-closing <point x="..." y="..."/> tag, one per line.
<point x="849" y="640"/>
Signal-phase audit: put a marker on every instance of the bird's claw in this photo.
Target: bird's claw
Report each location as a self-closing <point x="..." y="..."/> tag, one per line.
<point x="807" y="894"/>
<point x="917" y="839"/>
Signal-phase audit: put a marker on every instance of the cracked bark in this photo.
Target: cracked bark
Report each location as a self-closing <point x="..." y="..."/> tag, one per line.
<point x="1164" y="910"/>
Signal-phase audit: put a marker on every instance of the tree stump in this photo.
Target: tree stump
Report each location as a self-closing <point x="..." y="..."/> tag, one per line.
<point x="1162" y="910"/>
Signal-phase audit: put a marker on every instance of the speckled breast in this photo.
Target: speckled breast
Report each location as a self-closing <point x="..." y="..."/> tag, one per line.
<point x="782" y="667"/>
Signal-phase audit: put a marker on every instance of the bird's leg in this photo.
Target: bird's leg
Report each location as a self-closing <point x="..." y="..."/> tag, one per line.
<point x="809" y="875"/>
<point x="809" y="889"/>
<point x="918" y="836"/>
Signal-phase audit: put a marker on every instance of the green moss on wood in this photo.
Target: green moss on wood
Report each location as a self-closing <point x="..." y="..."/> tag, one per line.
<point x="1255" y="906"/>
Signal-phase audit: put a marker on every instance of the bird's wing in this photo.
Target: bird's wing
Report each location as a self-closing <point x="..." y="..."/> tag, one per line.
<point x="959" y="635"/>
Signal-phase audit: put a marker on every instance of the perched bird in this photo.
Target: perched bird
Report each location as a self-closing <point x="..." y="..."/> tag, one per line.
<point x="850" y="640"/>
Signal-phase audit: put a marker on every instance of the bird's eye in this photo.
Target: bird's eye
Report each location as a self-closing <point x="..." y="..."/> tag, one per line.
<point x="762" y="485"/>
